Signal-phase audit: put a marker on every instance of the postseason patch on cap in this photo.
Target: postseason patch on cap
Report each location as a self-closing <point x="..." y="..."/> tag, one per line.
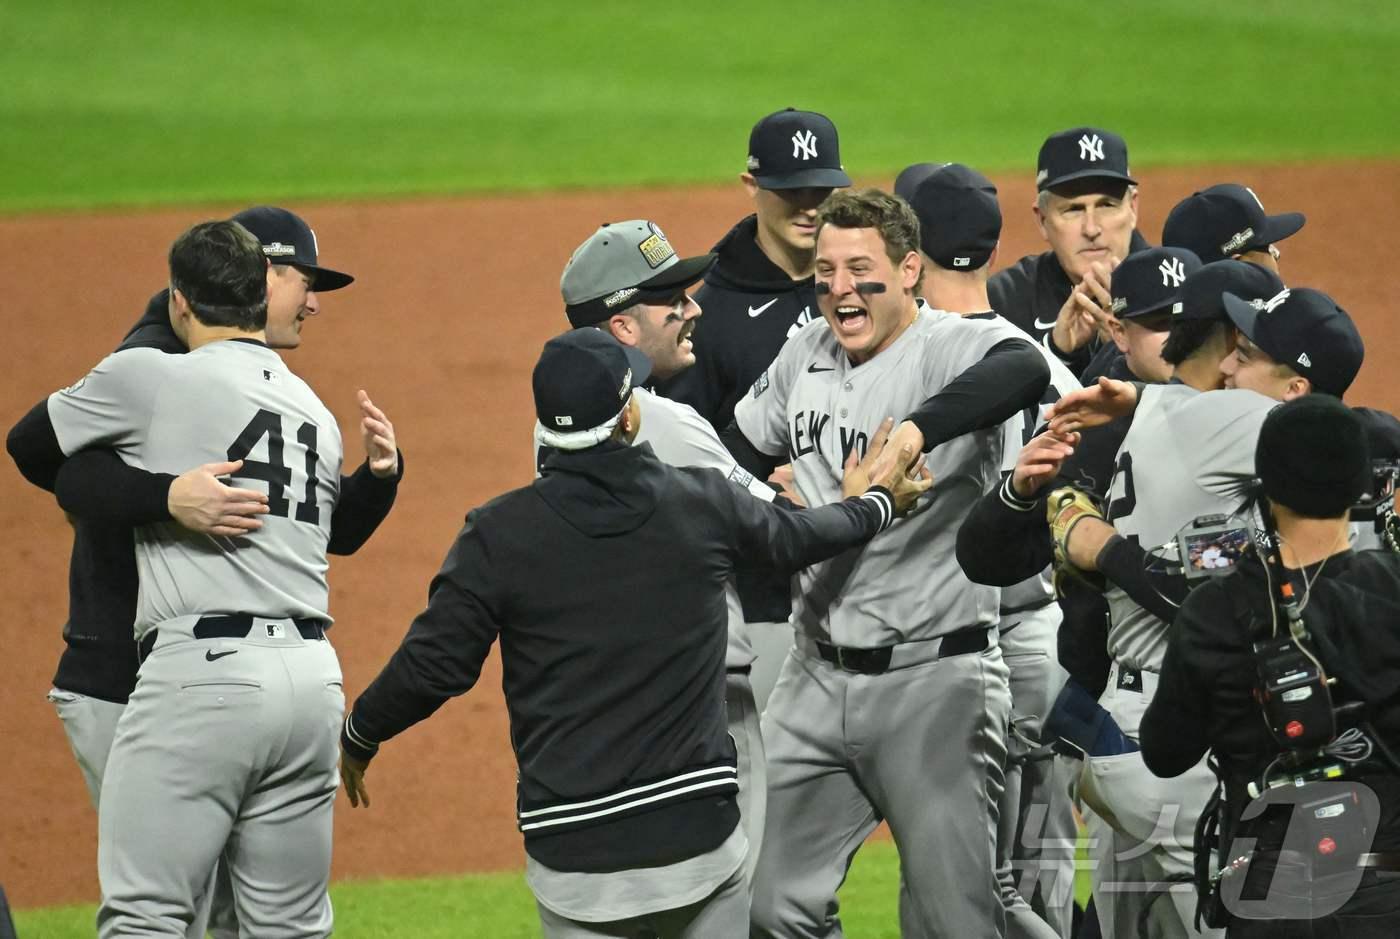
<point x="1237" y="242"/>
<point x="278" y="250"/>
<point x="619" y="296"/>
<point x="656" y="249"/>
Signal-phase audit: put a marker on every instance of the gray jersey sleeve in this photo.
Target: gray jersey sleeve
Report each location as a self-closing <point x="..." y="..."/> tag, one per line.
<point x="762" y="413"/>
<point x="681" y="437"/>
<point x="111" y="405"/>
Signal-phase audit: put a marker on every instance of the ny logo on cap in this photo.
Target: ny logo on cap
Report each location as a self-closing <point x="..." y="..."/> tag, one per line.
<point x="1276" y="302"/>
<point x="1091" y="148"/>
<point x="804" y="145"/>
<point x="1173" y="272"/>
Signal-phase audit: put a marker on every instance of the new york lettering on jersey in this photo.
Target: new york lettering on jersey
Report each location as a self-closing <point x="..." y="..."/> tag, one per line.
<point x="228" y="400"/>
<point x="815" y="407"/>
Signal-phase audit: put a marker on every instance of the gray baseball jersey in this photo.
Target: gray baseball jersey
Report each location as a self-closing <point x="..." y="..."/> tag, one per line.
<point x="225" y="401"/>
<point x="814" y="406"/>
<point x="244" y="719"/>
<point x="1187" y="454"/>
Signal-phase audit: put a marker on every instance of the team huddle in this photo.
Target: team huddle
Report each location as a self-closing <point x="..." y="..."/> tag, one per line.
<point x="858" y="532"/>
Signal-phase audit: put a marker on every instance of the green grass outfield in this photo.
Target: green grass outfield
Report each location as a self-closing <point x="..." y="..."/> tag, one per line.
<point x="499" y="906"/>
<point x="178" y="101"/>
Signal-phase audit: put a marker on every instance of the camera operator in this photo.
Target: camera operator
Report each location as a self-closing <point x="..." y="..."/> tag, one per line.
<point x="1337" y="871"/>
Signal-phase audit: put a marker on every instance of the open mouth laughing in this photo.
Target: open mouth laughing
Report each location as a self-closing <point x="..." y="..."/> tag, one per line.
<point x="851" y="319"/>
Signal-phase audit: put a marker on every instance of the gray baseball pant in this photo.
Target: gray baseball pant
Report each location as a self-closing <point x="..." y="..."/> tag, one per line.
<point x="234" y="755"/>
<point x="920" y="746"/>
<point x="753" y="776"/>
<point x="90" y="725"/>
<point x="724" y="913"/>
<point x="1143" y="831"/>
<point x="771" y="644"/>
<point x="1037" y="832"/>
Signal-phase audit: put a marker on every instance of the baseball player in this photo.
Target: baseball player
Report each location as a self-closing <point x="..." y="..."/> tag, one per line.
<point x="613" y="663"/>
<point x="1086" y="208"/>
<point x="1004" y="537"/>
<point x="98" y="668"/>
<point x="896" y="654"/>
<point x="1186" y="455"/>
<point x="628" y="282"/>
<point x="757" y="294"/>
<point x="1227" y="222"/>
<point x="759" y="291"/>
<point x="229" y="627"/>
<point x="959" y="226"/>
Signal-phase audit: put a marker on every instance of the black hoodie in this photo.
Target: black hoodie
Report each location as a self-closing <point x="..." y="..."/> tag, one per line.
<point x="604" y="579"/>
<point x="749" y="309"/>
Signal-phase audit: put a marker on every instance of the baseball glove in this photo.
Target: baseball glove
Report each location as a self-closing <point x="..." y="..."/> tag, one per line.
<point x="1065" y="508"/>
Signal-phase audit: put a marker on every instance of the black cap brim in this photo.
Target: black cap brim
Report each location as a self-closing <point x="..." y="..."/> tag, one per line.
<point x="1087" y="174"/>
<point x="815" y="178"/>
<point x="1283" y="225"/>
<point x="326" y="279"/>
<point x="1243" y="314"/>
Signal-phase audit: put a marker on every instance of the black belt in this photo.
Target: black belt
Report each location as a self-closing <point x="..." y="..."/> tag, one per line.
<point x="233" y="626"/>
<point x="877" y="661"/>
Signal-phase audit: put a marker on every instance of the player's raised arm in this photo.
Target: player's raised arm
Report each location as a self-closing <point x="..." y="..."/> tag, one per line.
<point x="1009" y="378"/>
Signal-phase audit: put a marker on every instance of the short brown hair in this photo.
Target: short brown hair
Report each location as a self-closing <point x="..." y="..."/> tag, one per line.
<point x="890" y="215"/>
<point x="222" y="271"/>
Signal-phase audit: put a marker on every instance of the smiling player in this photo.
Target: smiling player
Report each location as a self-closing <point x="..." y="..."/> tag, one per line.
<point x="896" y="657"/>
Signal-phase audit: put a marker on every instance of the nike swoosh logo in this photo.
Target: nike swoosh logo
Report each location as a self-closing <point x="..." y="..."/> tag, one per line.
<point x="758" y="311"/>
<point x="211" y="655"/>
<point x="817" y="368"/>
<point x="1040" y="325"/>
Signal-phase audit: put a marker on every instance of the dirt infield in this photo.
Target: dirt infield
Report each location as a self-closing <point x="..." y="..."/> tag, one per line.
<point x="452" y="303"/>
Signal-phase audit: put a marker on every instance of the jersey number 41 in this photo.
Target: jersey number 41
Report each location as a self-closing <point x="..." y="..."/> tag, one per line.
<point x="276" y="473"/>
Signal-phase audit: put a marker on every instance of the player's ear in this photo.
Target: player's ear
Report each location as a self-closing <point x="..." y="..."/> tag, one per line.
<point x="750" y="184"/>
<point x="623" y="328"/>
<point x="1119" y="334"/>
<point x="910" y="270"/>
<point x="992" y="258"/>
<point x="1297" y="387"/>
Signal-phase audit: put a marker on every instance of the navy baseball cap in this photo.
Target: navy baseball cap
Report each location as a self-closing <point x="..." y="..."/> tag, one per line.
<point x="623" y="263"/>
<point x="582" y="382"/>
<point x="959" y="218"/>
<point x="793" y="149"/>
<point x="1226" y="220"/>
<point x="287" y="239"/>
<point x="1202" y="292"/>
<point x="1149" y="281"/>
<point x="1082" y="153"/>
<point x="1305" y="330"/>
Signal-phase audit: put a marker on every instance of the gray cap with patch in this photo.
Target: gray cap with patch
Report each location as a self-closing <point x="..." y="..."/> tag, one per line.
<point x="623" y="263"/>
